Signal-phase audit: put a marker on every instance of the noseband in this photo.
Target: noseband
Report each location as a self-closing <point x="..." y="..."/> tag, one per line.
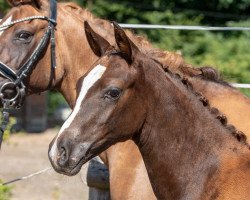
<point x="15" y="80"/>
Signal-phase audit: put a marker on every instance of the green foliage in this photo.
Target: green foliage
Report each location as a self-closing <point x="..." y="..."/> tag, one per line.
<point x="7" y="132"/>
<point x="213" y="11"/>
<point x="5" y="192"/>
<point x="3" y="6"/>
<point x="229" y="54"/>
<point x="245" y="91"/>
<point x="55" y="99"/>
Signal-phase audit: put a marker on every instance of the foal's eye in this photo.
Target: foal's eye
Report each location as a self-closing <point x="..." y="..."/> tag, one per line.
<point x="113" y="93"/>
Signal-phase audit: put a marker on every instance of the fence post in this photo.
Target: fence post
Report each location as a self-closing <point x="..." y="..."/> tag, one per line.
<point x="98" y="180"/>
<point x="34" y="113"/>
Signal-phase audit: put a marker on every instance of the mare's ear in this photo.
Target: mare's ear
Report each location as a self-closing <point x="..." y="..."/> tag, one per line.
<point x="36" y="3"/>
<point x="126" y="46"/>
<point x="97" y="43"/>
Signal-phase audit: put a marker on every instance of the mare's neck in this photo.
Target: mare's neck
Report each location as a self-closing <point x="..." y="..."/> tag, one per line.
<point x="75" y="57"/>
<point x="180" y="140"/>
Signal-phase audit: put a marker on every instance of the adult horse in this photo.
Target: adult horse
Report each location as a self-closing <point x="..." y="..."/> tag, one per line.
<point x="73" y="60"/>
<point x="188" y="153"/>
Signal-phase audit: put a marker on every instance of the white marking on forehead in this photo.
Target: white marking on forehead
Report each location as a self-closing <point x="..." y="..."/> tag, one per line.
<point x="94" y="75"/>
<point x="6" y="22"/>
<point x="88" y="82"/>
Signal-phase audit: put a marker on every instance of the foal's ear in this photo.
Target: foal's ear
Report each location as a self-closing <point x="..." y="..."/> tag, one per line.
<point x="36" y="3"/>
<point x="126" y="46"/>
<point x="97" y="43"/>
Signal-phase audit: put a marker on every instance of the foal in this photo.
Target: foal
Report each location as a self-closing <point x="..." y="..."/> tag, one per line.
<point x="187" y="152"/>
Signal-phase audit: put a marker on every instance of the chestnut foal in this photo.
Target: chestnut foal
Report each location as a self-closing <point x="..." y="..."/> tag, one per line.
<point x="188" y="153"/>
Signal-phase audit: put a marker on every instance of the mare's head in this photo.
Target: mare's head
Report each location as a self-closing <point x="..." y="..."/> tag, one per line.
<point x="23" y="28"/>
<point x="110" y="107"/>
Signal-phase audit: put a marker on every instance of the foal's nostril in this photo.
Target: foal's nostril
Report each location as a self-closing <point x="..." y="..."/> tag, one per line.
<point x="63" y="153"/>
<point x="63" y="156"/>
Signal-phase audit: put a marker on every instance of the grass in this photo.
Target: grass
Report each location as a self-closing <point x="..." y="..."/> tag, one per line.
<point x="5" y="191"/>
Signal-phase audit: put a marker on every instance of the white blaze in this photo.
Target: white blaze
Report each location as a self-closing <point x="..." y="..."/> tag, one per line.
<point x="95" y="74"/>
<point x="6" y="22"/>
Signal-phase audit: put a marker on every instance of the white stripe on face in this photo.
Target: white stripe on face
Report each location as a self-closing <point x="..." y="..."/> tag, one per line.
<point x="6" y="22"/>
<point x="95" y="74"/>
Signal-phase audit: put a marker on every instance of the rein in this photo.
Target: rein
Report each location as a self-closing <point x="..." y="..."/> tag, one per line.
<point x="16" y="79"/>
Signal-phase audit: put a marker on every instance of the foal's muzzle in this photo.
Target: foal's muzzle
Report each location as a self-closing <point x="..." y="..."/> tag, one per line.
<point x="66" y="156"/>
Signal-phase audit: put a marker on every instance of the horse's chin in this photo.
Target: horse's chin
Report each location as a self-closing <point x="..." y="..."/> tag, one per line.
<point x="77" y="168"/>
<point x="73" y="170"/>
<point x="92" y="152"/>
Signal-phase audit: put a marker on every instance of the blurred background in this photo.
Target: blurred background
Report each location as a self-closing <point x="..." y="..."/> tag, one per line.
<point x="229" y="51"/>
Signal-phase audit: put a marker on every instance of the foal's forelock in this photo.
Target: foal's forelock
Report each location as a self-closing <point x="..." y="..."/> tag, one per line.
<point x="94" y="75"/>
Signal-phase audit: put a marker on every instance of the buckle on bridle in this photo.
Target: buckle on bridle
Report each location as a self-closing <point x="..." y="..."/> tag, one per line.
<point x="11" y="86"/>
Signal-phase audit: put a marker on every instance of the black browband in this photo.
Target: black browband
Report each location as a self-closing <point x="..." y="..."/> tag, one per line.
<point x="16" y="78"/>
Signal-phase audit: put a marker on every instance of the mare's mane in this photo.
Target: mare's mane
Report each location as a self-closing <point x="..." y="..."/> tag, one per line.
<point x="175" y="60"/>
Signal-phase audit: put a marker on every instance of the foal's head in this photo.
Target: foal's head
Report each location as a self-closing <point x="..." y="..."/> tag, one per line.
<point x="110" y="107"/>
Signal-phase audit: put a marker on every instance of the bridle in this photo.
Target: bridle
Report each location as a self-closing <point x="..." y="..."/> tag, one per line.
<point x="15" y="79"/>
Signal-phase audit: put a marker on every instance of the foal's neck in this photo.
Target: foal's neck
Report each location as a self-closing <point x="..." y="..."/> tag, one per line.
<point x="180" y="141"/>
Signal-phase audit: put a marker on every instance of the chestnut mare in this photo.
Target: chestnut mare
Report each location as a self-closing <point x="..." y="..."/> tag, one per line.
<point x="188" y="153"/>
<point x="128" y="177"/>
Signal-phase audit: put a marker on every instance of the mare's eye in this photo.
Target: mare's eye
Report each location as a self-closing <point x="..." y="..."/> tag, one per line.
<point x="24" y="36"/>
<point x="113" y="93"/>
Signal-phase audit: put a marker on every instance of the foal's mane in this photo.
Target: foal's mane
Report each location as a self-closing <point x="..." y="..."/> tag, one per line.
<point x="170" y="60"/>
<point x="239" y="135"/>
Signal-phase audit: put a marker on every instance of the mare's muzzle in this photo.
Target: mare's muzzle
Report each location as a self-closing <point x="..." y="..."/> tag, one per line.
<point x="12" y="91"/>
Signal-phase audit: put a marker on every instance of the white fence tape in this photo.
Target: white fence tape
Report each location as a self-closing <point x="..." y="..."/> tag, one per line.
<point x="241" y="85"/>
<point x="181" y="27"/>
